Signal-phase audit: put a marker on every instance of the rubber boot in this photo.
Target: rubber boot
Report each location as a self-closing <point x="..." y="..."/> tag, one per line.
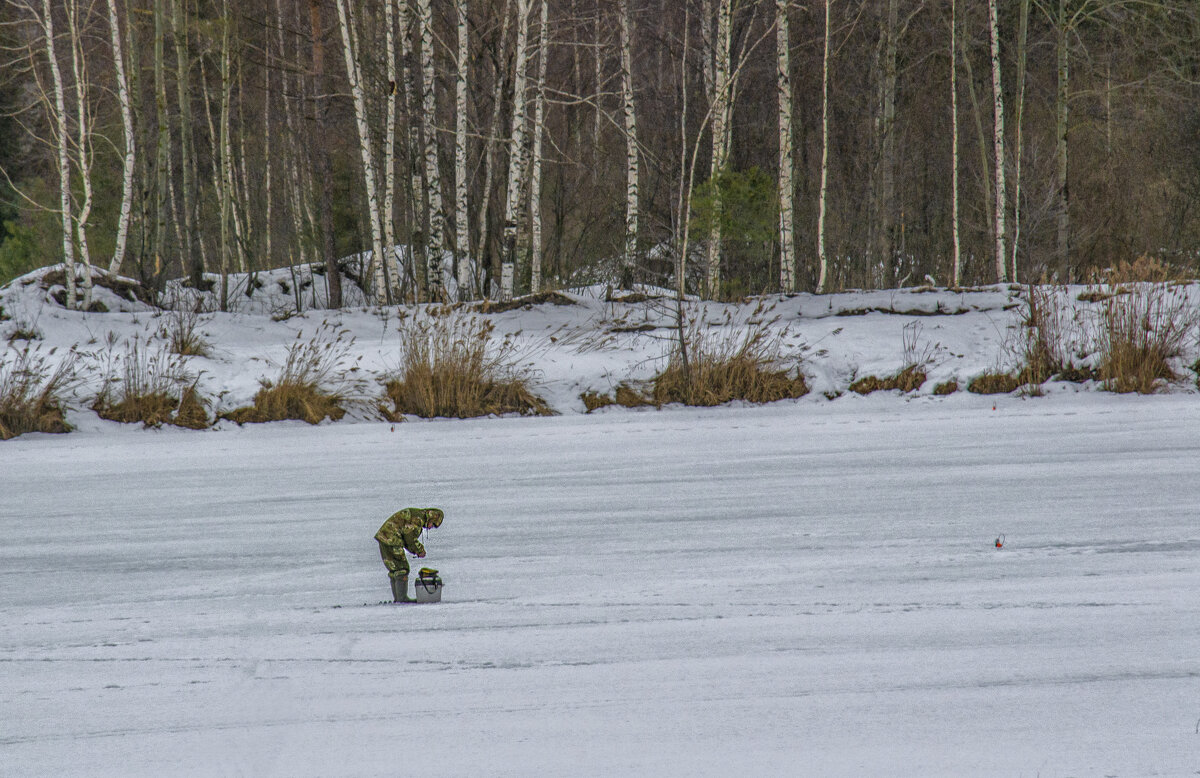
<point x="400" y="589"/>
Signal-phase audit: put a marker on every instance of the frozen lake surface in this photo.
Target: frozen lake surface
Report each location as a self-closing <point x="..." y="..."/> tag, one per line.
<point x="785" y="590"/>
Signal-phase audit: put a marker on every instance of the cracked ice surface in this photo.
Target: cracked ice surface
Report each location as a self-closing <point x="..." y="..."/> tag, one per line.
<point x="784" y="590"/>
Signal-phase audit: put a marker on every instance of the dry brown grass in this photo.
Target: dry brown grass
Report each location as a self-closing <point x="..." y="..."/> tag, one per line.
<point x="1138" y="334"/>
<point x="32" y="391"/>
<point x="182" y="331"/>
<point x="995" y="383"/>
<point x="312" y="384"/>
<point x="1044" y="334"/>
<point x="910" y="379"/>
<point x="624" y="395"/>
<point x="726" y="366"/>
<point x="452" y="367"/>
<point x="946" y="388"/>
<point x="152" y="387"/>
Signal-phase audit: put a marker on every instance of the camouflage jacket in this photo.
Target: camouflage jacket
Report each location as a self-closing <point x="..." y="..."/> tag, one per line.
<point x="403" y="529"/>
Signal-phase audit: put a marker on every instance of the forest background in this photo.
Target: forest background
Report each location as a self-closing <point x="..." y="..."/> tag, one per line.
<point x="718" y="147"/>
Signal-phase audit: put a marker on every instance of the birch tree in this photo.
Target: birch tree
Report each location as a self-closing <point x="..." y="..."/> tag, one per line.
<point x="629" y="253"/>
<point x="821" y="257"/>
<point x="348" y="24"/>
<point x="720" y="140"/>
<point x="83" y="150"/>
<point x="62" y="143"/>
<point x="535" y="177"/>
<point x="130" y="141"/>
<point x="787" y="251"/>
<point x="516" y="145"/>
<point x="433" y="174"/>
<point x="998" y="144"/>
<point x="462" y="227"/>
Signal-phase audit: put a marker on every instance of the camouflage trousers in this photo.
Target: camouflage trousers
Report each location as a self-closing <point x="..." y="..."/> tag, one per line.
<point x="394" y="560"/>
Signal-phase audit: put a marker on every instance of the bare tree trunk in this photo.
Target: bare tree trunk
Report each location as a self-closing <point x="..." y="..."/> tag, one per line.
<point x="1022" y="46"/>
<point x="883" y="193"/>
<point x="164" y="141"/>
<point x="462" y="236"/>
<point x="629" y="259"/>
<point x="333" y="277"/>
<point x="535" y="182"/>
<point x="720" y="146"/>
<point x="193" y="259"/>
<point x="954" y="143"/>
<point x="130" y="156"/>
<point x="516" y="154"/>
<point x="998" y="143"/>
<point x="433" y="168"/>
<point x="489" y="166"/>
<point x="821" y="257"/>
<point x="349" y="24"/>
<point x="418" y="203"/>
<point x="981" y="136"/>
<point x="1063" y="225"/>
<point x="787" y="238"/>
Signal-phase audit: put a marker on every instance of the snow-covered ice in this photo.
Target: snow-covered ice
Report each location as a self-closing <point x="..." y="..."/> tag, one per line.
<point x="807" y="588"/>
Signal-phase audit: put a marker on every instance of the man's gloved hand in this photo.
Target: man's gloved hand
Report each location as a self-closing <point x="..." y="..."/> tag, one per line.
<point x="421" y="555"/>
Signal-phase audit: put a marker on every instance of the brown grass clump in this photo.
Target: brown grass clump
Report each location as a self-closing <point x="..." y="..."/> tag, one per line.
<point x="727" y="367"/>
<point x="311" y="385"/>
<point x="182" y="331"/>
<point x="191" y="413"/>
<point x="995" y="383"/>
<point x="153" y="388"/>
<point x="1138" y="335"/>
<point x="910" y="379"/>
<point x="31" y="391"/>
<point x="289" y="400"/>
<point x="624" y="395"/>
<point x="946" y="388"/>
<point x="451" y="367"/>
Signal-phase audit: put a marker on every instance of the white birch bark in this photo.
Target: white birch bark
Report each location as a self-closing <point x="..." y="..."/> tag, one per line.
<point x="130" y="156"/>
<point x="83" y="151"/>
<point x="720" y="147"/>
<point x="787" y="238"/>
<point x="225" y="156"/>
<point x="516" y="145"/>
<point x="433" y="168"/>
<point x="389" y="142"/>
<point x="954" y="216"/>
<point x="629" y="255"/>
<point x="823" y="278"/>
<point x="347" y="23"/>
<point x="535" y="182"/>
<point x="998" y="145"/>
<point x="64" y="159"/>
<point x="462" y="227"/>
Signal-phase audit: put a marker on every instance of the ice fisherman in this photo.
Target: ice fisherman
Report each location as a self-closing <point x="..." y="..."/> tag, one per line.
<point x="401" y="533"/>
